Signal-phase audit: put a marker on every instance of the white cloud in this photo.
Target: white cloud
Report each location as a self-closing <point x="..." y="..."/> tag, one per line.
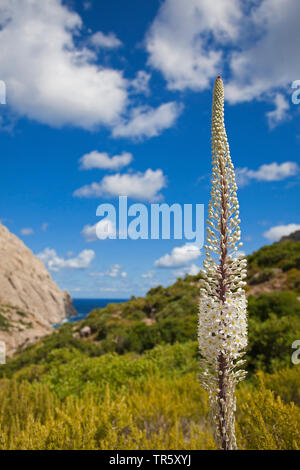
<point x="180" y="256"/>
<point x="268" y="172"/>
<point x="109" y="41"/>
<point x="192" y="270"/>
<point x="275" y="233"/>
<point x="89" y="233"/>
<point x="54" y="262"/>
<point x="241" y="175"/>
<point x="100" y="231"/>
<point x="269" y="60"/>
<point x="49" y="78"/>
<point x="140" y="83"/>
<point x="27" y="231"/>
<point x="148" y="275"/>
<point x="279" y="114"/>
<point x="182" y="40"/>
<point x="44" y="227"/>
<point x="101" y="160"/>
<point x="53" y="73"/>
<point x="255" y="43"/>
<point x="114" y="271"/>
<point x="141" y="186"/>
<point x="148" y="122"/>
<point x="275" y="171"/>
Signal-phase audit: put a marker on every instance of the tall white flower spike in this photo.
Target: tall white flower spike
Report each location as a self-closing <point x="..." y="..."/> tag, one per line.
<point x="222" y="329"/>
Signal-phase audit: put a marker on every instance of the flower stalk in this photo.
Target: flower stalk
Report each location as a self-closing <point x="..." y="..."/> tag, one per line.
<point x="222" y="327"/>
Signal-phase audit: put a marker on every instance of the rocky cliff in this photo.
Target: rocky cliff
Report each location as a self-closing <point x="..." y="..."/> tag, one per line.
<point x="293" y="237"/>
<point x="30" y="302"/>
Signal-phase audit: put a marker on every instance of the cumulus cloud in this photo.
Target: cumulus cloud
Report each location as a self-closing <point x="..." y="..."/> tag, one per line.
<point x="27" y="231"/>
<point x="192" y="42"/>
<point x="114" y="271"/>
<point x="89" y="233"/>
<point x="148" y="122"/>
<point x="268" y="172"/>
<point x="55" y="263"/>
<point x="279" y="114"/>
<point x="140" y="186"/>
<point x="192" y="270"/>
<point x="256" y="69"/>
<point x="53" y="74"/>
<point x="102" y="161"/>
<point x="148" y="275"/>
<point x="100" y="231"/>
<point x="140" y="84"/>
<point x="182" y="40"/>
<point x="275" y="233"/>
<point x="108" y="41"/>
<point x="49" y="78"/>
<point x="180" y="256"/>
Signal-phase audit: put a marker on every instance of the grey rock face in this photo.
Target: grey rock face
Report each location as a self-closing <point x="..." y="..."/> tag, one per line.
<point x="30" y="301"/>
<point x="293" y="237"/>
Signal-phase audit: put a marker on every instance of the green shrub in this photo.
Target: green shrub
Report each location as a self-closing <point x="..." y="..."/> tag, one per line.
<point x="265" y="422"/>
<point x="274" y="303"/>
<point x="284" y="383"/>
<point x="284" y="255"/>
<point x="132" y="402"/>
<point x="293" y="280"/>
<point x="261" y="276"/>
<point x="270" y="342"/>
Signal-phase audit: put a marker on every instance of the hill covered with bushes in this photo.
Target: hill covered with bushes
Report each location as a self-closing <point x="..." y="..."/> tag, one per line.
<point x="280" y="261"/>
<point x="130" y="382"/>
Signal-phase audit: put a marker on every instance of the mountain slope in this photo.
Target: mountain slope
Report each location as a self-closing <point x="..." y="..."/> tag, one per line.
<point x="30" y="302"/>
<point x="169" y="315"/>
<point x="126" y="376"/>
<point x="275" y="267"/>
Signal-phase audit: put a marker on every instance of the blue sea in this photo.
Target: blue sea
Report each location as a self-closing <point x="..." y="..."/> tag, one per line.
<point x="85" y="306"/>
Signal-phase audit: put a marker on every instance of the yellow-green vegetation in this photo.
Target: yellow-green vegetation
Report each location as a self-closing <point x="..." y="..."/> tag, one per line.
<point x="293" y="279"/>
<point x="150" y="401"/>
<point x="132" y="384"/>
<point x="265" y="421"/>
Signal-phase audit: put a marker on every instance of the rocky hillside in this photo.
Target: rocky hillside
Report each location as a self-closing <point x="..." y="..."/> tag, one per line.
<point x="293" y="237"/>
<point x="30" y="302"/>
<point x="275" y="267"/>
<point x="168" y="315"/>
<point x="126" y="376"/>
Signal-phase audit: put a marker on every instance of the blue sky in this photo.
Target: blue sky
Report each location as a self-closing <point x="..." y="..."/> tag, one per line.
<point x="134" y="80"/>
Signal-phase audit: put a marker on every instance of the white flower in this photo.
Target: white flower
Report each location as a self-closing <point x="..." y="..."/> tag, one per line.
<point x="222" y="328"/>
